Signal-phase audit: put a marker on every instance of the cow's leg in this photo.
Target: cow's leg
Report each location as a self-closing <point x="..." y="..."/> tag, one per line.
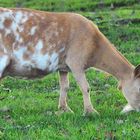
<point x="80" y="77"/>
<point x="64" y="86"/>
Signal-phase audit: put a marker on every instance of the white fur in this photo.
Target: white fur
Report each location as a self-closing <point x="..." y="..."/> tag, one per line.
<point x="20" y="62"/>
<point x="20" y="17"/>
<point x="39" y="46"/>
<point x="7" y="31"/>
<point x="33" y="30"/>
<point x="38" y="58"/>
<point x="54" y="62"/>
<point x="3" y="62"/>
<point x="45" y="61"/>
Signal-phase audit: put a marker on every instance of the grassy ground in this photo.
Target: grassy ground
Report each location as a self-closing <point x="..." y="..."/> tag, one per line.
<point x="27" y="108"/>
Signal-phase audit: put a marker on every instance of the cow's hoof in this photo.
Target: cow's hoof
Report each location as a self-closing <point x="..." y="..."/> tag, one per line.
<point x="63" y="110"/>
<point x="91" y="112"/>
<point x="127" y="109"/>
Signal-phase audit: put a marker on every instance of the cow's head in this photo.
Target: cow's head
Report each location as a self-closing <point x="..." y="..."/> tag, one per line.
<point x="131" y="90"/>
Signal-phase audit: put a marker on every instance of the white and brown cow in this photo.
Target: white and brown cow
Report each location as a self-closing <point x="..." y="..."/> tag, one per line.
<point x="34" y="44"/>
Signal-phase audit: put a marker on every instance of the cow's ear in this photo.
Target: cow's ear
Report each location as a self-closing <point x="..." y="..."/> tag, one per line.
<point x="137" y="72"/>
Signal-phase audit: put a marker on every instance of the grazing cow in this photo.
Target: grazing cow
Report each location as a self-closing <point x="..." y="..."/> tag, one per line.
<point x="36" y="43"/>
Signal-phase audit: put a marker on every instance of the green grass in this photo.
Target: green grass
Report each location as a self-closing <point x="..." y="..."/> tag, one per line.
<point x="27" y="108"/>
<point x="67" y="5"/>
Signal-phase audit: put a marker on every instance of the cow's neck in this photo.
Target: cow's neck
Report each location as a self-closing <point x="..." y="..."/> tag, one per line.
<point x="110" y="60"/>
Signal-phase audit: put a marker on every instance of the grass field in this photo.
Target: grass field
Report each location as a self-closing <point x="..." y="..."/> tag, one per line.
<point x="27" y="108"/>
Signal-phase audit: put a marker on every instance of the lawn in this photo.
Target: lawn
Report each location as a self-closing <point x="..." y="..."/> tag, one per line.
<point x="28" y="108"/>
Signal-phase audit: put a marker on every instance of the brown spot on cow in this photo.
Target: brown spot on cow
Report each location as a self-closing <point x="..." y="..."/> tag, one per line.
<point x="30" y="49"/>
<point x="9" y="40"/>
<point x="7" y="23"/>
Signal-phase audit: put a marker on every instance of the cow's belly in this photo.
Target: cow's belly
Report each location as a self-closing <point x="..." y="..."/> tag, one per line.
<point x="33" y="65"/>
<point x="25" y="71"/>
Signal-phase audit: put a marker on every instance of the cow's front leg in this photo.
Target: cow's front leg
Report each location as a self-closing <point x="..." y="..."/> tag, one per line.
<point x="81" y="80"/>
<point x="64" y="86"/>
<point x="80" y="77"/>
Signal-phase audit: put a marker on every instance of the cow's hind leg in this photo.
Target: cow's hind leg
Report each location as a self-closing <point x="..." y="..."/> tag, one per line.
<point x="80" y="77"/>
<point x="64" y="86"/>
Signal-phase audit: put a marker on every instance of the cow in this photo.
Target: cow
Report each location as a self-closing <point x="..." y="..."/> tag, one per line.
<point x="35" y="43"/>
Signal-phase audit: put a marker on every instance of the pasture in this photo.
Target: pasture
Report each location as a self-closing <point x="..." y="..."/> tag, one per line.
<point x="28" y="107"/>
